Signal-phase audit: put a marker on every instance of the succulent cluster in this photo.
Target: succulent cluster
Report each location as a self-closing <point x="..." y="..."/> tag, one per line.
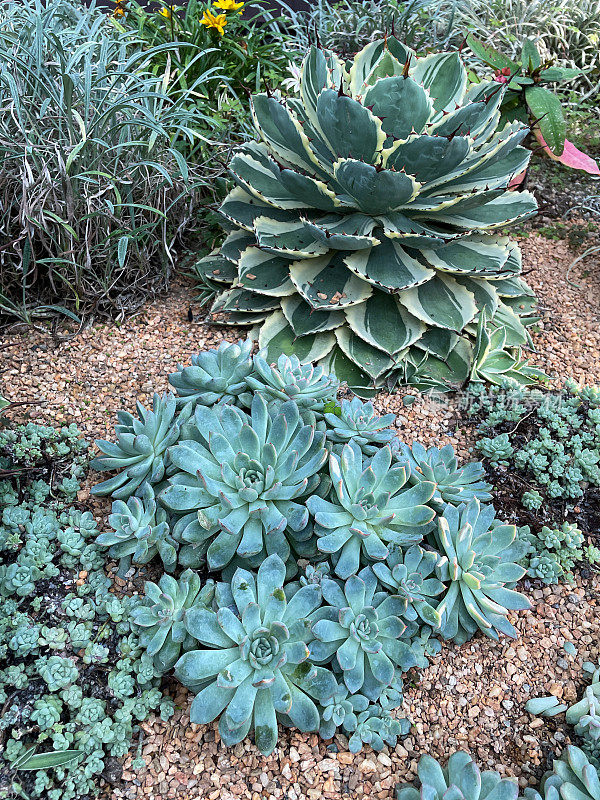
<point x="396" y="551"/>
<point x="551" y="439"/>
<point x="543" y="448"/>
<point x="553" y="552"/>
<point x="75" y="681"/>
<point x="363" y="227"/>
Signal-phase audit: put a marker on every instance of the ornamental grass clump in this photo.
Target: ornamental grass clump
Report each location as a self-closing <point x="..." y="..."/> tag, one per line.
<point x="94" y="191"/>
<point x="324" y="570"/>
<point x="364" y="226"/>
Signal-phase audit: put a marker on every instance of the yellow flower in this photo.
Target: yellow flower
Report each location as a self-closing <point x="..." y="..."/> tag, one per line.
<point x="216" y="21"/>
<point x="228" y="5"/>
<point x="165" y="12"/>
<point x="119" y="12"/>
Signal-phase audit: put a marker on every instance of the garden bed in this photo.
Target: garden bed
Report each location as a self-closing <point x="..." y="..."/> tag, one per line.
<point x="472" y="696"/>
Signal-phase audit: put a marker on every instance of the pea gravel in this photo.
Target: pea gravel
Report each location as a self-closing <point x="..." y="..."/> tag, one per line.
<point x="471" y="697"/>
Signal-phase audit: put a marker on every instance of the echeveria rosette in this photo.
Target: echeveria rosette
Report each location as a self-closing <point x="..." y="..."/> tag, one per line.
<point x="257" y="666"/>
<point x="453" y="484"/>
<point x="461" y="778"/>
<point x="140" y="452"/>
<point x="368" y="508"/>
<point x="160" y="617"/>
<point x="309" y="386"/>
<point x="406" y="575"/>
<point x="246" y="477"/>
<point x="141" y="532"/>
<point x="357" y="421"/>
<point x="363" y="227"/>
<point x="479" y="562"/>
<point x="216" y="376"/>
<point x="340" y="711"/>
<point x="376" y="727"/>
<point x="361" y="629"/>
<point x="573" y="777"/>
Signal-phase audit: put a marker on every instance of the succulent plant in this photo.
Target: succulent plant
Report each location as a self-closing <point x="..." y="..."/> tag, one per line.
<point x="215" y="376"/>
<point x="406" y="575"/>
<point x="361" y="630"/>
<point x="573" y="777"/>
<point x="440" y="465"/>
<point x="161" y="615"/>
<point x="480" y="562"/>
<point x="495" y="362"/>
<point x="140" y="452"/>
<point x="377" y="727"/>
<point x="364" y="222"/>
<point x="357" y="421"/>
<point x="460" y="778"/>
<point x="248" y="475"/>
<point x="369" y="507"/>
<point x="340" y="711"/>
<point x="309" y="386"/>
<point x="257" y="666"/>
<point x="140" y="532"/>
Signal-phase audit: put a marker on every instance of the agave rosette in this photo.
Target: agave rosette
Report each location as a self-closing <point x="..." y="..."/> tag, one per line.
<point x="363" y="224"/>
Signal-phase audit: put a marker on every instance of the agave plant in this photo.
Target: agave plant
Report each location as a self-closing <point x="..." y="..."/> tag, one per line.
<point x="140" y="452"/>
<point x="161" y="615"/>
<point x="141" y="531"/>
<point x="309" y="386"/>
<point x="215" y="376"/>
<point x="460" y="778"/>
<point x="479" y="563"/>
<point x="361" y="630"/>
<point x="363" y="224"/>
<point x="440" y="466"/>
<point x="369" y="507"/>
<point x="246" y="476"/>
<point x="357" y="421"/>
<point x="256" y="667"/>
<point x="406" y="575"/>
<point x="494" y="363"/>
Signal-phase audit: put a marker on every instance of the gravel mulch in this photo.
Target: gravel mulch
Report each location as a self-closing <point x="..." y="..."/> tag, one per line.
<point x="471" y="697"/>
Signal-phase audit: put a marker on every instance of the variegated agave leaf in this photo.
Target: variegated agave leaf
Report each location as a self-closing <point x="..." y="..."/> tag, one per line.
<point x="364" y="223"/>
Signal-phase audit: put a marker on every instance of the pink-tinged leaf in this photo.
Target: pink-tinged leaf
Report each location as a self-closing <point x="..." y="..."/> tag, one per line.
<point x="570" y="156"/>
<point x="517" y="180"/>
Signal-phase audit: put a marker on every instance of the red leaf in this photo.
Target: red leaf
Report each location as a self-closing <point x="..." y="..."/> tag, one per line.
<point x="570" y="156"/>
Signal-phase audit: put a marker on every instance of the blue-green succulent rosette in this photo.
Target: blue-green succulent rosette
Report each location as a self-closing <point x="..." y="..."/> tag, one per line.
<point x="361" y="630"/>
<point x="370" y="506"/>
<point x="243" y="479"/>
<point x="254" y="664"/>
